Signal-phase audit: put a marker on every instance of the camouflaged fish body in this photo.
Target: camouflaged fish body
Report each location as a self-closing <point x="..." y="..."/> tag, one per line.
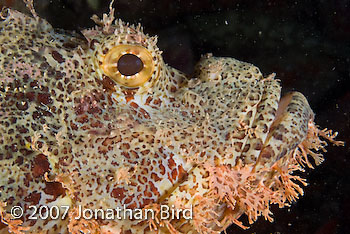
<point x="102" y="122"/>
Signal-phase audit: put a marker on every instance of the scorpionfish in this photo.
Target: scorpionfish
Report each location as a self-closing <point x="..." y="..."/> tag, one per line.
<point x="97" y="121"/>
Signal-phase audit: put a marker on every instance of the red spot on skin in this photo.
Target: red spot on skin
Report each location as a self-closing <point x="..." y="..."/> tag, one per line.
<point x="126" y="155"/>
<point x="107" y="141"/>
<point x="108" y="84"/>
<point x="147" y="192"/>
<point x="33" y="198"/>
<point x="148" y="100"/>
<point x="19" y="161"/>
<point x="246" y="148"/>
<point x="21" y="106"/>
<point x="133" y="104"/>
<point x="28" y="179"/>
<point x="22" y="129"/>
<point x="55" y="189"/>
<point x="145" y="113"/>
<point x="73" y="126"/>
<point x="171" y="163"/>
<point x="83" y="119"/>
<point x="34" y="84"/>
<point x="157" y="102"/>
<point x="57" y="56"/>
<point x="129" y="95"/>
<point x="89" y="103"/>
<point x="154" y="189"/>
<point x="44" y="98"/>
<point x="30" y="96"/>
<point x="132" y="206"/>
<point x="278" y="136"/>
<point x="258" y="146"/>
<point x="146" y="201"/>
<point x="96" y="124"/>
<point x="182" y="173"/>
<point x="128" y="200"/>
<point x="266" y="153"/>
<point x="40" y="165"/>
<point x="174" y="174"/>
<point x="118" y="193"/>
<point x="162" y="169"/>
<point x="170" y="177"/>
<point x="155" y="177"/>
<point x="129" y="98"/>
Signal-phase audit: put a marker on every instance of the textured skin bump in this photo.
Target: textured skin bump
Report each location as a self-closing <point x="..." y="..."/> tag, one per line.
<point x="220" y="141"/>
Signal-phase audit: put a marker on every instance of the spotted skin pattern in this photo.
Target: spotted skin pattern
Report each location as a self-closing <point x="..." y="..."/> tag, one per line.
<point x="220" y="142"/>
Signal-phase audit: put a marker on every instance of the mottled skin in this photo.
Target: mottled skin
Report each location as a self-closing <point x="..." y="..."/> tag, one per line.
<point x="221" y="141"/>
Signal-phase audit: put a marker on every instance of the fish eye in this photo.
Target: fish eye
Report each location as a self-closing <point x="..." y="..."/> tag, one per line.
<point x="128" y="65"/>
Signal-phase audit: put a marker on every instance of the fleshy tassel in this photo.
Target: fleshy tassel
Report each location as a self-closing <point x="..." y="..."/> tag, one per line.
<point x="14" y="226"/>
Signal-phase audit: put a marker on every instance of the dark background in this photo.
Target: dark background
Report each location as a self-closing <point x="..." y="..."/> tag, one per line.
<point x="307" y="43"/>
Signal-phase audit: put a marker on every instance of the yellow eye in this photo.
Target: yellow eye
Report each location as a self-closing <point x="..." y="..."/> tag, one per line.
<point x="128" y="65"/>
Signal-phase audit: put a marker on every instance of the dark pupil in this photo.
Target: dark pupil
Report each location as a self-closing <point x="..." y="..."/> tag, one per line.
<point x="129" y="64"/>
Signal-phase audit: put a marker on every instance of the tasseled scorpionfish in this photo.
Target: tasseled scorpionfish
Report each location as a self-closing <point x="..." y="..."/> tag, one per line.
<point x="99" y="135"/>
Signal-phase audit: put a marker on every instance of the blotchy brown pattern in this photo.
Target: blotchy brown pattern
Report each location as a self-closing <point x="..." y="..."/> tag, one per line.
<point x="221" y="141"/>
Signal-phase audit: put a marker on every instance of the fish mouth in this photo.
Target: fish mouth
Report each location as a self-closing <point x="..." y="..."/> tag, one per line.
<point x="276" y="152"/>
<point x="288" y="129"/>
